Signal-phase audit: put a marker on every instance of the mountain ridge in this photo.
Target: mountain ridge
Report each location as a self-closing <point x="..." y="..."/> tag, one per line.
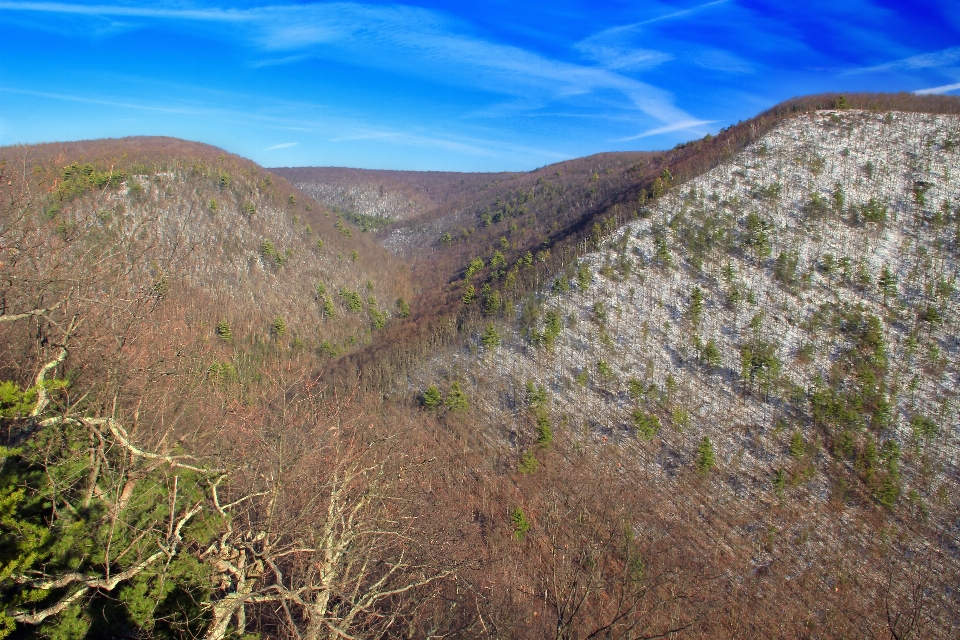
<point x="704" y="392"/>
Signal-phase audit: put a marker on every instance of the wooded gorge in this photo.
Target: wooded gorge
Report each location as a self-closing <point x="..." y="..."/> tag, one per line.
<point x="705" y="392"/>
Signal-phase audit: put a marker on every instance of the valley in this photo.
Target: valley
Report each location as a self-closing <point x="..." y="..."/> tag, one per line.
<point x="712" y="391"/>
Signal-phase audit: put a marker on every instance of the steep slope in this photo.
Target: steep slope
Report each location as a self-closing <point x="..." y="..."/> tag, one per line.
<point x="663" y="405"/>
<point x="529" y="210"/>
<point x="793" y="247"/>
<point x="784" y="328"/>
<point x="521" y="231"/>
<point x="162" y="445"/>
<point x="510" y="231"/>
<point x="217" y="228"/>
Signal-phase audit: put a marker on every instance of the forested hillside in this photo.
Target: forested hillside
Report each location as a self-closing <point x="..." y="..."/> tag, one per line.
<point x="162" y="310"/>
<point x="378" y="198"/>
<point x="706" y="392"/>
<point x="782" y="332"/>
<point x="202" y="223"/>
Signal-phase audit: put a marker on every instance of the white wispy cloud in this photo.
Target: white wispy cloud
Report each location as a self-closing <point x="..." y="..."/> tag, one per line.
<point x="622" y="57"/>
<point x="682" y="13"/>
<point x="218" y="15"/>
<point x="105" y="102"/>
<point x="626" y="47"/>
<point x="947" y="88"/>
<point x="412" y="41"/>
<point x="274" y="62"/>
<point x="932" y="60"/>
<point x="677" y="126"/>
<point x="620" y="38"/>
<point x="409" y="139"/>
<point x="723" y="61"/>
<point x="634" y="27"/>
<point x="308" y="119"/>
<point x="460" y="144"/>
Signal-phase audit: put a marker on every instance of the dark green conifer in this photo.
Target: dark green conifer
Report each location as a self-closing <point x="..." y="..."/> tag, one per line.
<point x="223" y="330"/>
<point x="432" y="398"/>
<point x="705" y="457"/>
<point x="456" y="400"/>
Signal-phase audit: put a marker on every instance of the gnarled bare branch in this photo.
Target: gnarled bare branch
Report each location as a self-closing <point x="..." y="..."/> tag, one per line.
<point x="91" y="582"/>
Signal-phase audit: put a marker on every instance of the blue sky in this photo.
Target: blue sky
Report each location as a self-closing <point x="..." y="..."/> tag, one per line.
<point x="466" y="86"/>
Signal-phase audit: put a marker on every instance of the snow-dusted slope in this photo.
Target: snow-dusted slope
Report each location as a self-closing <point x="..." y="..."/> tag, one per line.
<point x="803" y="191"/>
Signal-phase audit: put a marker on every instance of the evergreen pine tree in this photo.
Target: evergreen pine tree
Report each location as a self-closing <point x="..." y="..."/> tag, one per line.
<point x="378" y="318"/>
<point x="432" y="398"/>
<point x="584" y="276"/>
<point x="552" y="328"/>
<point x="838" y="198"/>
<point x="647" y="424"/>
<point x="696" y="306"/>
<point x="328" y="309"/>
<point x="528" y="463"/>
<point x="797" y="446"/>
<point x="520" y="523"/>
<point x="711" y="354"/>
<point x="492" y="302"/>
<point x="779" y="482"/>
<point x="887" y="284"/>
<point x="544" y="428"/>
<point x="705" y="457"/>
<point x="279" y="327"/>
<point x="456" y="399"/>
<point x="536" y="394"/>
<point x="223" y="330"/>
<point x="491" y="338"/>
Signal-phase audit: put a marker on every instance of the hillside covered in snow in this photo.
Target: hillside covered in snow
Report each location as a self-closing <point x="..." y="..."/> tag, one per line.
<point x="783" y="328"/>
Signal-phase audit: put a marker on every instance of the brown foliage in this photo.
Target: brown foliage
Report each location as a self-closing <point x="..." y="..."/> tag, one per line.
<point x="614" y="549"/>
